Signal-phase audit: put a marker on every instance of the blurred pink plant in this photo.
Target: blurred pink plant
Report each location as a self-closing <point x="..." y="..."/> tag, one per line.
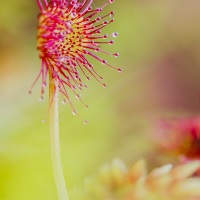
<point x="180" y="137"/>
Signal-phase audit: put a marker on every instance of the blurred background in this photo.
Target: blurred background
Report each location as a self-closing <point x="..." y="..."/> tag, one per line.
<point x="159" y="45"/>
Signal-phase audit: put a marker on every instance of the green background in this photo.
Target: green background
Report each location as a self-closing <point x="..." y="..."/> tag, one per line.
<point x="159" y="45"/>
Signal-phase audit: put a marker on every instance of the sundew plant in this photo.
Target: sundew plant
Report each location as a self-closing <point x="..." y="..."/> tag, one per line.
<point x="70" y="32"/>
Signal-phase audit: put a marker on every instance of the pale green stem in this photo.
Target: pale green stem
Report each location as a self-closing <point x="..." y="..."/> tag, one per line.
<point x="55" y="141"/>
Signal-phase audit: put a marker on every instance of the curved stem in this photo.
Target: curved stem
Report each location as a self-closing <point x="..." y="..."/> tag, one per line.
<point x="55" y="141"/>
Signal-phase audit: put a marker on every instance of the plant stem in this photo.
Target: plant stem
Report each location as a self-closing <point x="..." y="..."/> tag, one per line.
<point x="55" y="141"/>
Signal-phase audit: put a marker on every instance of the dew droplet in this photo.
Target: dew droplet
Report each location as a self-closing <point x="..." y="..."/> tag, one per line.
<point x="91" y="66"/>
<point x="111" y="14"/>
<point x="116" y="55"/>
<point x="62" y="59"/>
<point x="115" y="34"/>
<point x="64" y="101"/>
<point x="98" y="19"/>
<point x="41" y="98"/>
<point x="87" y="106"/>
<point x="104" y="62"/>
<point x="85" y="122"/>
<point x="105" y="36"/>
<point x="44" y="84"/>
<point x="74" y="87"/>
<point x="54" y="75"/>
<point x="98" y="9"/>
<point x="85" y="52"/>
<point x="98" y="32"/>
<point x="90" y="8"/>
<point x="97" y="49"/>
<point x="119" y="69"/>
<point x="74" y="112"/>
<point x="104" y="85"/>
<point x="111" y="1"/>
<point x="88" y="78"/>
<point x="78" y="96"/>
<point x="111" y="42"/>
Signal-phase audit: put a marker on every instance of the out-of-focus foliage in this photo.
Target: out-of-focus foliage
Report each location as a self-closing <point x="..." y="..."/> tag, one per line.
<point x="117" y="182"/>
<point x="159" y="53"/>
<point x="179" y="137"/>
